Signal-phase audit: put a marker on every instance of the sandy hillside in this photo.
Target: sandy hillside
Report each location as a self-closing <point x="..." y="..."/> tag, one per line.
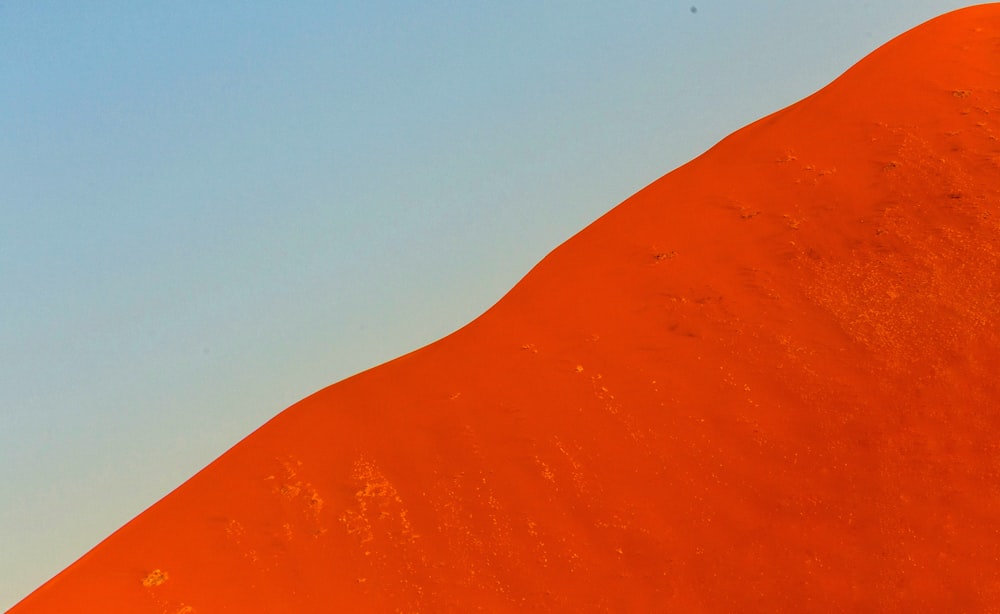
<point x="766" y="382"/>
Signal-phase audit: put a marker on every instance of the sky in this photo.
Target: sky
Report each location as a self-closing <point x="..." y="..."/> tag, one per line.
<point x="210" y="210"/>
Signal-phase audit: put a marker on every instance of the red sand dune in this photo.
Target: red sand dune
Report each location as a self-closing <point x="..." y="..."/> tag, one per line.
<point x="766" y="382"/>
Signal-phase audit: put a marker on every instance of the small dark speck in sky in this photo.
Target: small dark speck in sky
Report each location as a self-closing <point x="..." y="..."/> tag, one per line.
<point x="694" y="9"/>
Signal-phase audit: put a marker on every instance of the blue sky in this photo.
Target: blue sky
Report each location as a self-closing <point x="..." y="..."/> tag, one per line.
<point x="211" y="210"/>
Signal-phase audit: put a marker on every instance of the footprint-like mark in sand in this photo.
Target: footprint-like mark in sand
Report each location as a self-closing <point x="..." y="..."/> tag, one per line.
<point x="301" y="495"/>
<point x="378" y="509"/>
<point x="157" y="578"/>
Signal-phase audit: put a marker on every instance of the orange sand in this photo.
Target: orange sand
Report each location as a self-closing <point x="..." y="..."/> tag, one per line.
<point x="767" y="382"/>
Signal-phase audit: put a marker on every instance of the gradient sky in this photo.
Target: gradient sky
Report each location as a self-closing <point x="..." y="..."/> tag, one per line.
<point x="209" y="210"/>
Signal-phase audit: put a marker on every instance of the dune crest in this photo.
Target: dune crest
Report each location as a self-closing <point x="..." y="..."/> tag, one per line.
<point x="766" y="382"/>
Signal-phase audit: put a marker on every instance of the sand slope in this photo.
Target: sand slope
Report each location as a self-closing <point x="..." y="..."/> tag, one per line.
<point x="766" y="382"/>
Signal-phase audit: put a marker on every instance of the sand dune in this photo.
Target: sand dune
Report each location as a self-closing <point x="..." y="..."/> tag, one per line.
<point x="766" y="382"/>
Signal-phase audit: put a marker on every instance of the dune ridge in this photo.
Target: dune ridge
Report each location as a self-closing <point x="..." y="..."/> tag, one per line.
<point x="765" y="382"/>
